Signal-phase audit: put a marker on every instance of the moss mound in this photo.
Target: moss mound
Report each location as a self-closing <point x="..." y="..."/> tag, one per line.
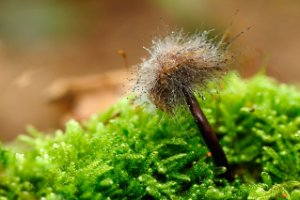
<point x="133" y="153"/>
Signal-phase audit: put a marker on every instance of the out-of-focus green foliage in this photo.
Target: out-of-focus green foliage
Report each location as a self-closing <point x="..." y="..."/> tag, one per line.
<point x="134" y="153"/>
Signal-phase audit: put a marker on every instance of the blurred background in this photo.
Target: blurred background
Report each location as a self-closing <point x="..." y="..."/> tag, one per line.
<point x="67" y="59"/>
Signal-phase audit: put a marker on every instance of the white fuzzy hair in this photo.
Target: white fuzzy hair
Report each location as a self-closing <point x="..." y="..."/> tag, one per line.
<point x="171" y="51"/>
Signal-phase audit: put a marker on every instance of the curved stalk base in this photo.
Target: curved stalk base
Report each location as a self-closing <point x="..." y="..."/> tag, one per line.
<point x="208" y="134"/>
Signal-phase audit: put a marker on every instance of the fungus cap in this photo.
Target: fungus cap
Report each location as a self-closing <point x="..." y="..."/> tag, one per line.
<point x="179" y="61"/>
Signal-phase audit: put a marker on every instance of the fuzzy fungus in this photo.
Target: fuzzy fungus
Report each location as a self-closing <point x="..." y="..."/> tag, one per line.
<point x="178" y="67"/>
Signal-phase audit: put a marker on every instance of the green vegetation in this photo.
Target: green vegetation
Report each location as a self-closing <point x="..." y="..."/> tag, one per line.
<point x="135" y="153"/>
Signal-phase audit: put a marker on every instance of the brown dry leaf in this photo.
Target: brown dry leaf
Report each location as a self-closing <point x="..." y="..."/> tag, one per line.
<point x="84" y="96"/>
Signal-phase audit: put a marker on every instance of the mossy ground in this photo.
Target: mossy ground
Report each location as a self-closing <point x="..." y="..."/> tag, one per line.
<point x="134" y="153"/>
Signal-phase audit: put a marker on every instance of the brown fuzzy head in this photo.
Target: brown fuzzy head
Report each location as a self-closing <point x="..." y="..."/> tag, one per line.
<point x="177" y="62"/>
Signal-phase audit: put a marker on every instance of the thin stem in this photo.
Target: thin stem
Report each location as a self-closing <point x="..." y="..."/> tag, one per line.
<point x="208" y="134"/>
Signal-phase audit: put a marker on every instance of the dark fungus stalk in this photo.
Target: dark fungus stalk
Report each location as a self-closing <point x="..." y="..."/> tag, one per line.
<point x="178" y="66"/>
<point x="208" y="134"/>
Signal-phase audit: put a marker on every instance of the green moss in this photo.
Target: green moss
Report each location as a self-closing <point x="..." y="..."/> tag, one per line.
<point x="130" y="152"/>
